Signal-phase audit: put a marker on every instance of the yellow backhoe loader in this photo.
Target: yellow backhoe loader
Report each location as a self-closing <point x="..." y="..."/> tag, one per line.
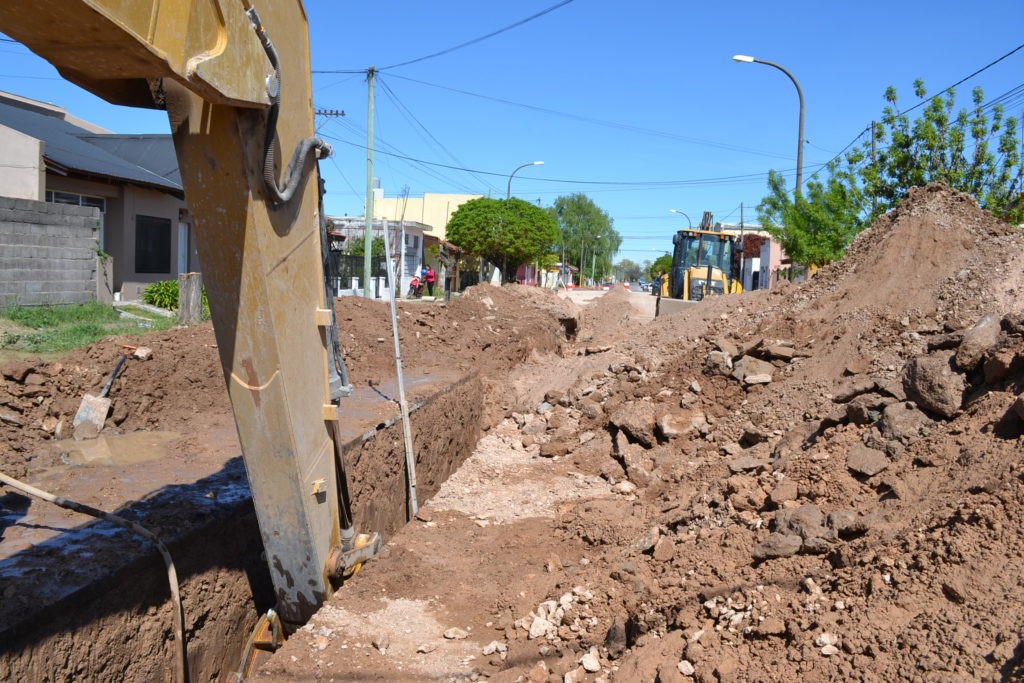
<point x="704" y="263"/>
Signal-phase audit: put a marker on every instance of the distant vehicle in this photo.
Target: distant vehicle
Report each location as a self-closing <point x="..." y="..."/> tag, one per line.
<point x="703" y="263"/>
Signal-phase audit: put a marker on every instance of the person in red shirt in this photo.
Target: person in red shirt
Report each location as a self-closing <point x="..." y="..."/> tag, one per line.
<point x="431" y="278"/>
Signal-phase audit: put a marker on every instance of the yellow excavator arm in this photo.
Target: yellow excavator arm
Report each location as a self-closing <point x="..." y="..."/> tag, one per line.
<point x="234" y="77"/>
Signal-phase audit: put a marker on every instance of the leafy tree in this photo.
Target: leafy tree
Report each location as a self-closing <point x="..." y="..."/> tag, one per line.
<point x="356" y="246"/>
<point x="628" y="270"/>
<point x="586" y="235"/>
<point x="662" y="264"/>
<point x="975" y="151"/>
<point x="817" y="226"/>
<point x="507" y="233"/>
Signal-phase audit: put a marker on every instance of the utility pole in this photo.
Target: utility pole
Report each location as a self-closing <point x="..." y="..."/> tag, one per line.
<point x="329" y="113"/>
<point x="743" y="248"/>
<point x="874" y="191"/>
<point x="368" y="237"/>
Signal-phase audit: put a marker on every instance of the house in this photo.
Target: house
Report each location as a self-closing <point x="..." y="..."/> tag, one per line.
<point x="48" y="155"/>
<point x="432" y="210"/>
<point x="348" y="270"/>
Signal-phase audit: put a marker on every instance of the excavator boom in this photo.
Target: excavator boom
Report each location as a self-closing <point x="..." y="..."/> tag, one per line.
<point x="234" y="77"/>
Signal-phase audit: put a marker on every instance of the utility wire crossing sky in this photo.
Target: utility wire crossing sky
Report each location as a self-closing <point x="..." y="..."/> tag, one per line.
<point x="638" y="106"/>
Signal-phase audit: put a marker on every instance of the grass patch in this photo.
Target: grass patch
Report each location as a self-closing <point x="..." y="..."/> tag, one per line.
<point x="42" y="317"/>
<point x="58" y="329"/>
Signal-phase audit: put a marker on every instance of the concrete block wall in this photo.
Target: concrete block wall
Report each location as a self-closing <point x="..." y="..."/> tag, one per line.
<point x="47" y="253"/>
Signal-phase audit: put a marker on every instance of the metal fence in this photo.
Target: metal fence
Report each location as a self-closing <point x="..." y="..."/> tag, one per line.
<point x="346" y="270"/>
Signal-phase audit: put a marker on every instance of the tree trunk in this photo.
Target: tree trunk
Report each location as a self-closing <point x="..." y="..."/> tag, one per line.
<point x="190" y="298"/>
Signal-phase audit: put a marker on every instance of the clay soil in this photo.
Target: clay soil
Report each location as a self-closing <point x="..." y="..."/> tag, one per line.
<point x="816" y="482"/>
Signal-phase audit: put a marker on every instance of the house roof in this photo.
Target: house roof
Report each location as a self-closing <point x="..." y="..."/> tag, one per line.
<point x="155" y="153"/>
<point x="71" y="148"/>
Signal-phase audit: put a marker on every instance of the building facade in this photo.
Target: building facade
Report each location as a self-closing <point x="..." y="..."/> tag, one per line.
<point x="144" y="231"/>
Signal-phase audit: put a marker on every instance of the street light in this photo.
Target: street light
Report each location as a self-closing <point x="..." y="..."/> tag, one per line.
<point x="800" y="136"/>
<point x="508" y="195"/>
<point x="688" y="221"/>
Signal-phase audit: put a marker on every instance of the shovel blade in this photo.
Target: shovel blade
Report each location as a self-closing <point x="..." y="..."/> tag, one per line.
<point x="91" y="415"/>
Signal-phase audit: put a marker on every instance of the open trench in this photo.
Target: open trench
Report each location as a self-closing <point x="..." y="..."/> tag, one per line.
<point x="114" y="621"/>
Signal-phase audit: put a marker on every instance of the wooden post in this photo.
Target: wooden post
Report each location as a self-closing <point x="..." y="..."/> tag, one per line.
<point x="190" y="298"/>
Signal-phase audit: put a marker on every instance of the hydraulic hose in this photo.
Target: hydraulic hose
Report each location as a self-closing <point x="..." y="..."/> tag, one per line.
<point x="296" y="167"/>
<point x="172" y="574"/>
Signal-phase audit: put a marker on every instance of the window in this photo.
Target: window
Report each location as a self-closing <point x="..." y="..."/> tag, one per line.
<point x="152" y="244"/>
<point x="76" y="199"/>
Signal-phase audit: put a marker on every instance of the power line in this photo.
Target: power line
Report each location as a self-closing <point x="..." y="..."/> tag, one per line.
<point x="32" y="78"/>
<point x="481" y="38"/>
<point x="453" y="48"/>
<point x="600" y="122"/>
<point x="965" y="79"/>
<point x="630" y="184"/>
<point x="409" y="115"/>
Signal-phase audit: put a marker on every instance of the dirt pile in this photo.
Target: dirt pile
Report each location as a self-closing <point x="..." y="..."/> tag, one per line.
<point x="823" y="482"/>
<point x="181" y="387"/>
<point x="816" y="482"/>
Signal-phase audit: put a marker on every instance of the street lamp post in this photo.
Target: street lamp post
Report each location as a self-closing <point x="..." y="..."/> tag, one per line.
<point x="508" y="195"/>
<point x="688" y="221"/>
<point x="800" y="135"/>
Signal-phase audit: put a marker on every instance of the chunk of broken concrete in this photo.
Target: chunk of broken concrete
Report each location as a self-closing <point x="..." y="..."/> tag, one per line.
<point x="749" y="366"/>
<point x="779" y="352"/>
<point x="931" y="383"/>
<point x="726" y="347"/>
<point x="977" y="341"/>
<point x="745" y="463"/>
<point x="636" y="419"/>
<point x="718" y="363"/>
<point x="673" y="425"/>
<point x="866" y="461"/>
<point x="778" y="545"/>
<point x="903" y="422"/>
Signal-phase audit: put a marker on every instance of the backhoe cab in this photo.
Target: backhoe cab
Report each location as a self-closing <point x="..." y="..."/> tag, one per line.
<point x="704" y="263"/>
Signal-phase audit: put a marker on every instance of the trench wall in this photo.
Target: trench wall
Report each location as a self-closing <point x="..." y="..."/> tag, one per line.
<point x="118" y="625"/>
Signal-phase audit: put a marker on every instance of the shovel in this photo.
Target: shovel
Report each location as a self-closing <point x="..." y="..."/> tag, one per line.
<point x="92" y="412"/>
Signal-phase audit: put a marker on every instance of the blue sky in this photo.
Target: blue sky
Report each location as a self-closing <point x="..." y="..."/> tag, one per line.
<point x="636" y="104"/>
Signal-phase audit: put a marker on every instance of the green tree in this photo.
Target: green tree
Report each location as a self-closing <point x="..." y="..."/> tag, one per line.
<point x="356" y="246"/>
<point x="817" y="226"/>
<point x="508" y="233"/>
<point x="587" y="237"/>
<point x="628" y="270"/>
<point x="662" y="264"/>
<point x="975" y="151"/>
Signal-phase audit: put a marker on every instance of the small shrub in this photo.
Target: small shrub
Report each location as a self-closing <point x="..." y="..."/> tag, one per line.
<point x="163" y="294"/>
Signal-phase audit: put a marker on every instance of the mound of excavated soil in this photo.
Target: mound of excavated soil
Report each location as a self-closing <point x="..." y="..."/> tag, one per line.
<point x="821" y="482"/>
<point x="829" y="476"/>
<point x="181" y="388"/>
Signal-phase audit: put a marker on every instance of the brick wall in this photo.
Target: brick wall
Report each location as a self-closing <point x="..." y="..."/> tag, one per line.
<point x="47" y="252"/>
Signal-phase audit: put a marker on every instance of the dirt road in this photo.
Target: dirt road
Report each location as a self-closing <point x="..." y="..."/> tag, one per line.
<point x="817" y="482"/>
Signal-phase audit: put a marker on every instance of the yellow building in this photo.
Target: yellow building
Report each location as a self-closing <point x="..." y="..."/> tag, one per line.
<point x="432" y="209"/>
